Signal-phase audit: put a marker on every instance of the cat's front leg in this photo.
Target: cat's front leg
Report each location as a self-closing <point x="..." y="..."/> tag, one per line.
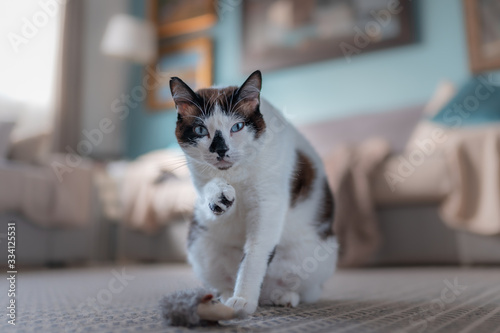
<point x="264" y="228"/>
<point x="218" y="198"/>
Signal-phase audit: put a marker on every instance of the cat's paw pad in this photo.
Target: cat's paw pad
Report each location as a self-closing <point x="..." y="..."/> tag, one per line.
<point x="242" y="305"/>
<point x="289" y="299"/>
<point x="221" y="197"/>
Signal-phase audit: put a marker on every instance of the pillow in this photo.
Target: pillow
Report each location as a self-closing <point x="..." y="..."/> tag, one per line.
<point x="477" y="103"/>
<point x="426" y="128"/>
<point x="5" y="130"/>
<point x="443" y="94"/>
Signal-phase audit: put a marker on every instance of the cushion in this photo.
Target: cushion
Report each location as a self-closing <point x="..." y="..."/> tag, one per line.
<point x="477" y="103"/>
<point x="394" y="126"/>
<point x="425" y="128"/>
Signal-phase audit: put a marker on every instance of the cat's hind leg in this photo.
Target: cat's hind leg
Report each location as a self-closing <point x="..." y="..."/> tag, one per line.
<point x="298" y="272"/>
<point x="281" y="286"/>
<point x="277" y="292"/>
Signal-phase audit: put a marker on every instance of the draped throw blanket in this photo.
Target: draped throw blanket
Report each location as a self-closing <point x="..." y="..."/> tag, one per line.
<point x="473" y="159"/>
<point x="156" y="191"/>
<point x="349" y="169"/>
<point x="469" y="159"/>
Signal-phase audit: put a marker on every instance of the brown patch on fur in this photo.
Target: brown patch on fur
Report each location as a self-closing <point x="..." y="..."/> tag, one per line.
<point x="184" y="130"/>
<point x="195" y="229"/>
<point x="302" y="178"/>
<point x="256" y="120"/>
<point x="224" y="97"/>
<point x="326" y="213"/>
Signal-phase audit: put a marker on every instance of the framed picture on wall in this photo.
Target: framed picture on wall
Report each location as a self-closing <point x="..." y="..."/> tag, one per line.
<point x="282" y="33"/>
<point x="178" y="17"/>
<point x="190" y="60"/>
<point x="483" y="34"/>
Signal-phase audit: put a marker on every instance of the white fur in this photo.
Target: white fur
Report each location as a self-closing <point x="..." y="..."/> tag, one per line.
<point x="260" y="217"/>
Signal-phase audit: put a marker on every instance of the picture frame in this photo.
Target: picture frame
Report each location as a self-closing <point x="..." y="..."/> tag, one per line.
<point x="190" y="60"/>
<point x="283" y="33"/>
<point x="179" y="17"/>
<point x="483" y="34"/>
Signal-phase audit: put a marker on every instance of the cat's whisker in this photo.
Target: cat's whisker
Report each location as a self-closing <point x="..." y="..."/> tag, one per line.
<point x="196" y="117"/>
<point x="165" y="166"/>
<point x="175" y="158"/>
<point x="178" y="167"/>
<point x="210" y="100"/>
<point x="171" y="163"/>
<point x="231" y="102"/>
<point x="234" y="111"/>
<point x="187" y="98"/>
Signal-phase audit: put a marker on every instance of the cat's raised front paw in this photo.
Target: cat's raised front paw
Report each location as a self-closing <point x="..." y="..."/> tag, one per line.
<point x="220" y="196"/>
<point x="240" y="304"/>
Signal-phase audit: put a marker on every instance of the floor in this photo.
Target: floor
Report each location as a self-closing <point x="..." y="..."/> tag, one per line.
<point x="125" y="299"/>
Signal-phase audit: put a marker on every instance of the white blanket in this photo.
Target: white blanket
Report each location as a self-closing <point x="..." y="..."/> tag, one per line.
<point x="157" y="190"/>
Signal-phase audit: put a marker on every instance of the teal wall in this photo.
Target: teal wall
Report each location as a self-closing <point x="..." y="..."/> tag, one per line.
<point x="373" y="82"/>
<point x="145" y="130"/>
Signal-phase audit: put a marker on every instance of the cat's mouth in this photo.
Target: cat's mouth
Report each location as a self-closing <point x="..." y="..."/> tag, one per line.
<point x="223" y="165"/>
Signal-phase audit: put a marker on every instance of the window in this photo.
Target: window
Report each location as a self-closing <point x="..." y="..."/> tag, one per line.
<point x="29" y="51"/>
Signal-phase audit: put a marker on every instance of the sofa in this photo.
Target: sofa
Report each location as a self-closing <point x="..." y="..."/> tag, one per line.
<point x="409" y="221"/>
<point x="55" y="218"/>
<point x="412" y="231"/>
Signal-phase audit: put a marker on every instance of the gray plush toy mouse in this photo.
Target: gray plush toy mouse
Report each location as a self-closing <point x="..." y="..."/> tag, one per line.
<point x="195" y="307"/>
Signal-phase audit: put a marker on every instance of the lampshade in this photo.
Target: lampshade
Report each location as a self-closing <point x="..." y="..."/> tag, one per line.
<point x="130" y="38"/>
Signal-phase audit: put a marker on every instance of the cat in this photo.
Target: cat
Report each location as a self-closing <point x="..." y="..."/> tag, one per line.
<point x="262" y="231"/>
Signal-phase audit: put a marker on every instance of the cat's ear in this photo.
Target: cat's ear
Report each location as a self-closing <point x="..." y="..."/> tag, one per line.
<point x="184" y="97"/>
<point x="250" y="90"/>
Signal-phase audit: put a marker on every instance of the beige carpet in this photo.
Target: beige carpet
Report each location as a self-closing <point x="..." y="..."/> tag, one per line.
<point x="371" y="300"/>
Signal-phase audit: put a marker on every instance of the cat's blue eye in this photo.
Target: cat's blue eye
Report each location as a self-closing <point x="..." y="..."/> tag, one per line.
<point x="200" y="130"/>
<point x="237" y="127"/>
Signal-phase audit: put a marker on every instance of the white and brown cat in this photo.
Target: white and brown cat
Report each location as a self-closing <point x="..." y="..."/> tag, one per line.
<point x="262" y="228"/>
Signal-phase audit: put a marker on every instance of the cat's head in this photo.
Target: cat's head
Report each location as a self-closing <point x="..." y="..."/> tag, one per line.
<point x="216" y="126"/>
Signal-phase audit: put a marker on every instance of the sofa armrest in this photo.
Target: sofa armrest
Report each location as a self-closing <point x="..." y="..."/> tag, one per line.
<point x="399" y="182"/>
